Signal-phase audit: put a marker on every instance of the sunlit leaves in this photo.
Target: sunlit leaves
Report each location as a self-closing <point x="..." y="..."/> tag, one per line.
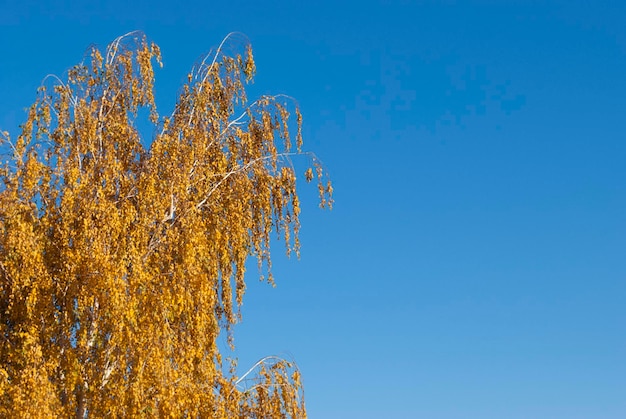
<point x="120" y="264"/>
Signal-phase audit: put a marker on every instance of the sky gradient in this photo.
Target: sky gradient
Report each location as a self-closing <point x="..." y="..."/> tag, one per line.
<point x="473" y="265"/>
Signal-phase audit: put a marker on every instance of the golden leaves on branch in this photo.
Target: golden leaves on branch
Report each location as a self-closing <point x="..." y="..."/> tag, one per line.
<point x="121" y="264"/>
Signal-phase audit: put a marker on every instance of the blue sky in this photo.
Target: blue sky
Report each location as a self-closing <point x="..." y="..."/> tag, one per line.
<point x="473" y="265"/>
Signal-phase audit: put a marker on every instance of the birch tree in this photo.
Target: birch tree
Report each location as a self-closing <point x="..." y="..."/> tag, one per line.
<point x="122" y="258"/>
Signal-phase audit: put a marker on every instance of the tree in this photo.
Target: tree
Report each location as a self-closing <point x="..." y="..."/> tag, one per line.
<point x="121" y="263"/>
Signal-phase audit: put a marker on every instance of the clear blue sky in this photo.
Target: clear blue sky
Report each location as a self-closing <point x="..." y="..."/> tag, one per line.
<point x="473" y="265"/>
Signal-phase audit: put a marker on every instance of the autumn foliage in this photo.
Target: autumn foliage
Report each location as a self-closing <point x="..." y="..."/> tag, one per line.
<point x="123" y="258"/>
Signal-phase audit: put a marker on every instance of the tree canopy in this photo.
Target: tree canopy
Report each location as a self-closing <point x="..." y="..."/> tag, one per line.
<point x="122" y="260"/>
